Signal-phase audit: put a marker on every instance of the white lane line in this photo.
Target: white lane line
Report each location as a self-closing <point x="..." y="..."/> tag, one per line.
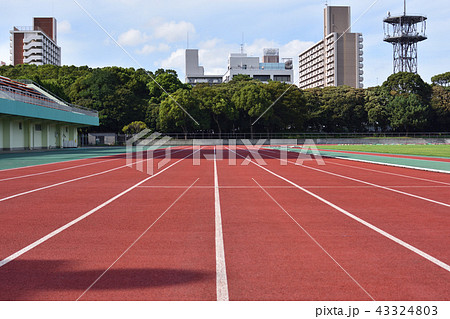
<point x="137" y="239"/>
<point x="61" y="162"/>
<point x="69" y="181"/>
<point x="314" y="240"/>
<point x="393" y="165"/>
<point x="390" y="173"/>
<point x="389" y="164"/>
<point x="367" y="183"/>
<point x="73" y="222"/>
<point x="221" y="270"/>
<point x="374" y="170"/>
<point x="286" y="187"/>
<point x="57" y="170"/>
<point x="367" y="224"/>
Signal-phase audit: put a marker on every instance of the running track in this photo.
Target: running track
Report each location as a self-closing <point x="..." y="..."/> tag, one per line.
<point x="229" y="228"/>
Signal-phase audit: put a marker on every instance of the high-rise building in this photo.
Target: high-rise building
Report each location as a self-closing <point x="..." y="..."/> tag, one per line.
<point x="36" y="44"/>
<point x="336" y="59"/>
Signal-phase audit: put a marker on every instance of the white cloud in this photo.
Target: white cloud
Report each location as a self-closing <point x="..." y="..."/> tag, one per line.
<point x="4" y="52"/>
<point x="148" y="49"/>
<point x="132" y="37"/>
<point x="175" y="61"/>
<point x="174" y="31"/>
<point x="64" y="27"/>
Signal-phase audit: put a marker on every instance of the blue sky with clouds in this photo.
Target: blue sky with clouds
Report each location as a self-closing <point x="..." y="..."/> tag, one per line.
<point x="154" y="33"/>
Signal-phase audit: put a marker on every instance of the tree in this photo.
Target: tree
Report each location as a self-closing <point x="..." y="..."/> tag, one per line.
<point x="441" y="79"/>
<point x="408" y="83"/>
<point x="252" y="100"/>
<point x="173" y="117"/>
<point x="216" y="100"/>
<point x="376" y="106"/>
<point x="289" y="107"/>
<point x="408" y="113"/>
<point x="440" y="105"/>
<point x="342" y="109"/>
<point x="164" y="82"/>
<point x="134" y="127"/>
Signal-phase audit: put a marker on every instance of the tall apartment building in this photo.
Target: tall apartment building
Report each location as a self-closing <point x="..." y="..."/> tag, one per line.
<point x="336" y="59"/>
<point x="36" y="44"/>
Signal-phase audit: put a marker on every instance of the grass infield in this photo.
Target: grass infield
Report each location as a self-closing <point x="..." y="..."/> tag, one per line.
<point x="439" y="150"/>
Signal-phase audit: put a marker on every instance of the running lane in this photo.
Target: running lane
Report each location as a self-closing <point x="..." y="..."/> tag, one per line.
<point x="419" y="222"/>
<point x="155" y="242"/>
<point x="29" y="217"/>
<point x="276" y="270"/>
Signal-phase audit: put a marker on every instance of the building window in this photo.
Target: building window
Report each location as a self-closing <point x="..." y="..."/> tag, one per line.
<point x="38" y="127"/>
<point x="20" y="125"/>
<point x="263" y="78"/>
<point x="282" y="78"/>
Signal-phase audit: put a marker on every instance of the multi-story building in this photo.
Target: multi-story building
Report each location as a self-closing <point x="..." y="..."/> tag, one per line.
<point x="37" y="44"/>
<point x="270" y="69"/>
<point x="336" y="59"/>
<point x="195" y="73"/>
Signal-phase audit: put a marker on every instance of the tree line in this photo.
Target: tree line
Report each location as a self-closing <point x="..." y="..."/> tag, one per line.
<point x="404" y="102"/>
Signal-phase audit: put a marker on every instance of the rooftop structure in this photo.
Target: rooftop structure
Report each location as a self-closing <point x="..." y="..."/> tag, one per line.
<point x="270" y="69"/>
<point x="404" y="32"/>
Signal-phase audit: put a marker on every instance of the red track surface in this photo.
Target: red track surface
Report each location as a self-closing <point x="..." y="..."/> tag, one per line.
<point x="156" y="241"/>
<point x="428" y="158"/>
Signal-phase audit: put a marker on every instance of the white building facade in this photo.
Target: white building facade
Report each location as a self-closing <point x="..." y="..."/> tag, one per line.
<point x="37" y="44"/>
<point x="240" y="63"/>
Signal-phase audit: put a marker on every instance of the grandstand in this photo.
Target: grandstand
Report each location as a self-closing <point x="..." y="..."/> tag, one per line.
<point x="33" y="118"/>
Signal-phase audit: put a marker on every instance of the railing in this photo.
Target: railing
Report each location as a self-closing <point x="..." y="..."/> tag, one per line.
<point x="368" y="135"/>
<point x="35" y="99"/>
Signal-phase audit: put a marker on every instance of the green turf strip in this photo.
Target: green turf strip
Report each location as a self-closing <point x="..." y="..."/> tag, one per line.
<point x="438" y="150"/>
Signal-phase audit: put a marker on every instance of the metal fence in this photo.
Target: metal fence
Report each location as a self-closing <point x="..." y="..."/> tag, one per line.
<point x="91" y="139"/>
<point x="308" y="135"/>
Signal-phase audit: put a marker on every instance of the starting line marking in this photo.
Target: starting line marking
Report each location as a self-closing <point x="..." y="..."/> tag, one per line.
<point x="374" y="228"/>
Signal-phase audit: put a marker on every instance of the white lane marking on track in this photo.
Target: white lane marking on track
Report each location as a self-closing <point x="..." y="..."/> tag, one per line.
<point x="314" y="240"/>
<point x="137" y="239"/>
<point x="74" y="160"/>
<point x="57" y="170"/>
<point x="221" y="270"/>
<point x="376" y="229"/>
<point x="92" y="211"/>
<point x="368" y="183"/>
<point x="68" y="181"/>
<point x="377" y="171"/>
<point x="390" y="173"/>
<point x="393" y="165"/>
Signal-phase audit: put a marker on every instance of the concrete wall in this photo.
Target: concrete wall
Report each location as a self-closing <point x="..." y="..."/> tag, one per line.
<point x="21" y="133"/>
<point x="17" y="129"/>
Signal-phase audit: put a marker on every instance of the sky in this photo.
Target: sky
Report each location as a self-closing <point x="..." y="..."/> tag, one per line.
<point x="154" y="34"/>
